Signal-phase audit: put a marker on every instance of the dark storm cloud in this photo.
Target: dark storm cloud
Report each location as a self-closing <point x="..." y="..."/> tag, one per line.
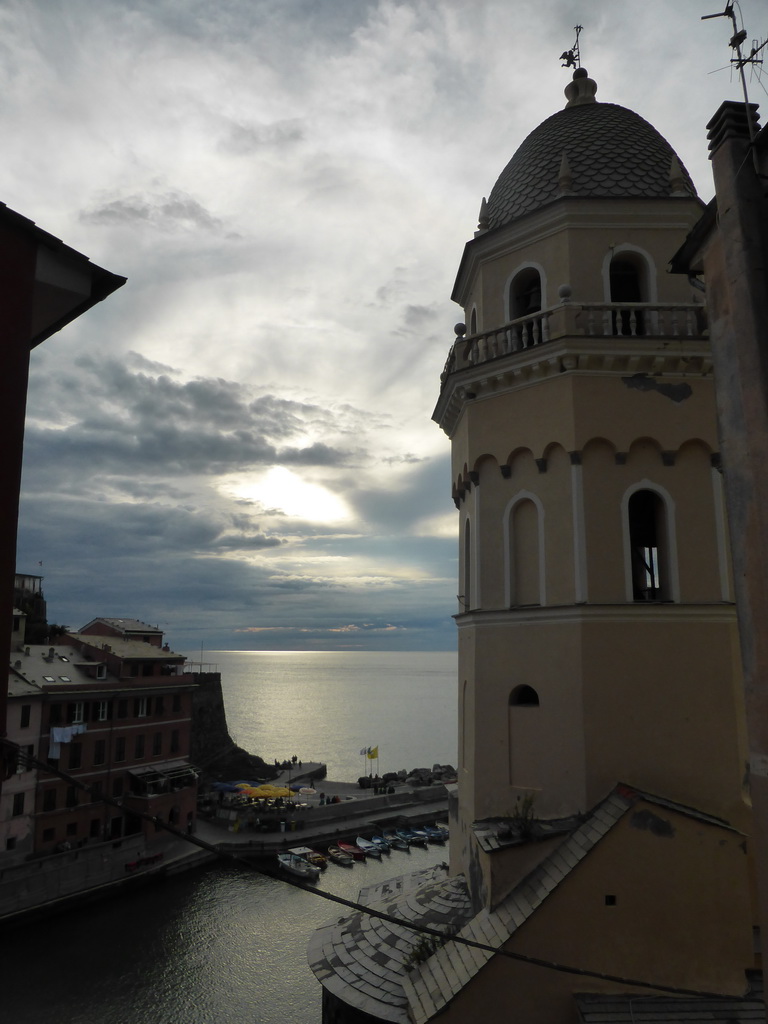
<point x="169" y="211"/>
<point x="106" y="417"/>
<point x="97" y="530"/>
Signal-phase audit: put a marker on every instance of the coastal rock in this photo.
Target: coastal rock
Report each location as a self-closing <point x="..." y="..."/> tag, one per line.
<point x="213" y="751"/>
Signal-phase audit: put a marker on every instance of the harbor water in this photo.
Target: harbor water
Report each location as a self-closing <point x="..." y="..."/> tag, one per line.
<point x="224" y="944"/>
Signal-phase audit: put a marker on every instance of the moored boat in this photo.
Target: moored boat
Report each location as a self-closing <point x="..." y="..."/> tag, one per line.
<point x="381" y="842"/>
<point x="404" y="835"/>
<point x="351" y="849"/>
<point x="418" y="837"/>
<point x="434" y="835"/>
<point x="369" y="849"/>
<point x="346" y="860"/>
<point x="313" y="856"/>
<point x="394" y="840"/>
<point x="298" y="867"/>
<point x="443" y="827"/>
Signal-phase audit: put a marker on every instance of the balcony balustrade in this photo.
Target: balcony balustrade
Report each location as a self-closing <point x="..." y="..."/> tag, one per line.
<point x="594" y="320"/>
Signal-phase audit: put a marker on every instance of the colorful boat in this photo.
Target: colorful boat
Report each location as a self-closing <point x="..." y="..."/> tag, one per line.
<point x="313" y="856"/>
<point x="406" y="835"/>
<point x="381" y="842"/>
<point x="346" y="860"/>
<point x="298" y="867"/>
<point x="434" y="835"/>
<point x="417" y="837"/>
<point x="351" y="849"/>
<point x="394" y="840"/>
<point x="369" y="849"/>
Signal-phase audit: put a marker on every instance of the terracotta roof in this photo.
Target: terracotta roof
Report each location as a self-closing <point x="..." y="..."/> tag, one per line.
<point x="611" y="152"/>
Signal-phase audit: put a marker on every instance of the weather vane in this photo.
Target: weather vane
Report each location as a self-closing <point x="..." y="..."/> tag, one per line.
<point x="739" y="61"/>
<point x="572" y="58"/>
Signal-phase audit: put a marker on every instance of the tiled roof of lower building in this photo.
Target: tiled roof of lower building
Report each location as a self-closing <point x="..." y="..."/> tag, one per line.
<point x="363" y="960"/>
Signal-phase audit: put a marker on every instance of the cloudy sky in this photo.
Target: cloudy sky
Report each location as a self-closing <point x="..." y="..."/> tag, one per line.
<point x="237" y="445"/>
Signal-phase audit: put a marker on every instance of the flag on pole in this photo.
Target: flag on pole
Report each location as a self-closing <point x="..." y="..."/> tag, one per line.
<point x="373" y="753"/>
<point x="364" y="751"/>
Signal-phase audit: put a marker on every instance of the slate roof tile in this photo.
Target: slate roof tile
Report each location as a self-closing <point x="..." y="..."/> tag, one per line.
<point x="612" y="152"/>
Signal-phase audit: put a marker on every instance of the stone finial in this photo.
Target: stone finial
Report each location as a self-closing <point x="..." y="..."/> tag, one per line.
<point x="564" y="177"/>
<point x="677" y="182"/>
<point x="581" y="90"/>
<point x="483" y="219"/>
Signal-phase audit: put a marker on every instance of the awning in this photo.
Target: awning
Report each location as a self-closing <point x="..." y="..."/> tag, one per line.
<point x="165" y="769"/>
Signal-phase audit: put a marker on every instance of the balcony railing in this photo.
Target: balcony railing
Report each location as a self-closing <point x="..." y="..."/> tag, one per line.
<point x="643" y="320"/>
<point x="593" y="320"/>
<point x="516" y="336"/>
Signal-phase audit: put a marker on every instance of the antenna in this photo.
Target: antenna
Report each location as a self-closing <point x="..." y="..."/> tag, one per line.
<point x="739" y="61"/>
<point x="572" y="57"/>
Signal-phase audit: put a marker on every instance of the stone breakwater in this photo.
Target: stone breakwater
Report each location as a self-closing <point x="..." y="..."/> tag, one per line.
<point x="438" y="774"/>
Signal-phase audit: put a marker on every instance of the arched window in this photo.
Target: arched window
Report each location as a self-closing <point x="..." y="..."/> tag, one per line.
<point x="524" y="697"/>
<point x="648" y="546"/>
<point x="525" y="554"/>
<point x="525" y="293"/>
<point x="628" y="282"/>
<point x="467" y="595"/>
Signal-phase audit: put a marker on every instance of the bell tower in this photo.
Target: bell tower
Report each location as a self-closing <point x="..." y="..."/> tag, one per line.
<point x="596" y="626"/>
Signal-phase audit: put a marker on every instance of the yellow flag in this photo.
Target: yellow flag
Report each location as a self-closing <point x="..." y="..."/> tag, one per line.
<point x="373" y="752"/>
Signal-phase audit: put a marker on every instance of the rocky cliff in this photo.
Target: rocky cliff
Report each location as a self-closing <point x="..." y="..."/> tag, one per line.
<point x="213" y="751"/>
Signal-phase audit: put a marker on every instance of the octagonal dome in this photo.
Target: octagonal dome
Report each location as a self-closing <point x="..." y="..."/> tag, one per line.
<point x="609" y="151"/>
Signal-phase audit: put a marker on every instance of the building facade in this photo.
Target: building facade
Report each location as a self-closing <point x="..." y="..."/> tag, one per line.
<point x="114" y="717"/>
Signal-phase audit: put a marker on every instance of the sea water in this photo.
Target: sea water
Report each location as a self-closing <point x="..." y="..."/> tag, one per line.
<point x="224" y="944"/>
<point x="328" y="707"/>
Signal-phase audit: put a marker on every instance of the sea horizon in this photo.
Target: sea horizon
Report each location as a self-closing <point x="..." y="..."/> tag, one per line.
<point x="327" y="709"/>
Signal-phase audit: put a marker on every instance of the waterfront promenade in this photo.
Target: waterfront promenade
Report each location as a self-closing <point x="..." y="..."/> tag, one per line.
<point x="357" y="811"/>
<point x="41" y="887"/>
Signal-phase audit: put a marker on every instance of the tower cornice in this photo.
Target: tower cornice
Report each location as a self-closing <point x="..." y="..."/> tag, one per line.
<point x="591" y="356"/>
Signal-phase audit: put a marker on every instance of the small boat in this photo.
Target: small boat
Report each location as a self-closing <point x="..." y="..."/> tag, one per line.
<point x="394" y="840"/>
<point x="443" y="827"/>
<point x="404" y="835"/>
<point x="298" y="867"/>
<point x="434" y="835"/>
<point x="346" y="860"/>
<point x="369" y="849"/>
<point x="382" y="843"/>
<point x="313" y="856"/>
<point x="352" y="850"/>
<point x="418" y="837"/>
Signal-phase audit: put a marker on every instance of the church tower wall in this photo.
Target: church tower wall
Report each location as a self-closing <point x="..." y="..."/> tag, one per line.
<point x="597" y="632"/>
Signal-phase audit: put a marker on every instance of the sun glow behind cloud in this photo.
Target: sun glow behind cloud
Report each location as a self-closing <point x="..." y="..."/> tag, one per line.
<point x="284" y="492"/>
